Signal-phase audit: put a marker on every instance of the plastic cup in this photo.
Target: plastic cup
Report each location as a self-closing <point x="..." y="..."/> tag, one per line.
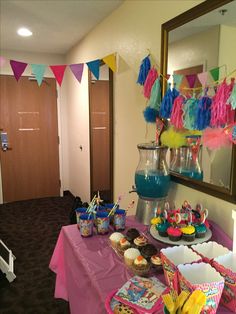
<point x="102" y="222"/>
<point x="119" y="219"/>
<point x="86" y="225"/>
<point x="79" y="211"/>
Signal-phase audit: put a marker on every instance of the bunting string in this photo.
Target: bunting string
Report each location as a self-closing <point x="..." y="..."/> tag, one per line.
<point x="58" y="71"/>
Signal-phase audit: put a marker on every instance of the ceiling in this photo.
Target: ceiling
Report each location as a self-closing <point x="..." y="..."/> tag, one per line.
<point x="57" y="25"/>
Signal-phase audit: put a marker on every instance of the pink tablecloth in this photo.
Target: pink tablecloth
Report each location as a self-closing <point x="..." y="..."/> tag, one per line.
<point x="87" y="269"/>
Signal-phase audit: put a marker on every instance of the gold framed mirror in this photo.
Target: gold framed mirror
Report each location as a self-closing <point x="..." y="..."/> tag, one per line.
<point x="178" y="28"/>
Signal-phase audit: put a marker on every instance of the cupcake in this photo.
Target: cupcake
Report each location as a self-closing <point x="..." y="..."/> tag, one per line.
<point x="140" y="264"/>
<point x="140" y="241"/>
<point x="148" y="250"/>
<point x="200" y="230"/>
<point x="123" y="245"/>
<point x="188" y="233"/>
<point x="115" y="238"/>
<point x="156" y="261"/>
<point x="162" y="228"/>
<point x="130" y="255"/>
<point x="131" y="234"/>
<point x="156" y="220"/>
<point x="174" y="234"/>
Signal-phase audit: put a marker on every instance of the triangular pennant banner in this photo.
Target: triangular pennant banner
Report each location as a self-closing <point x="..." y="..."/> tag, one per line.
<point x="77" y="70"/>
<point x="191" y="78"/>
<point x="177" y="79"/>
<point x="203" y="78"/>
<point x="2" y="61"/>
<point x="18" y="68"/>
<point x="110" y="61"/>
<point x="215" y="73"/>
<point x="58" y="71"/>
<point x="94" y="67"/>
<point x="38" y="70"/>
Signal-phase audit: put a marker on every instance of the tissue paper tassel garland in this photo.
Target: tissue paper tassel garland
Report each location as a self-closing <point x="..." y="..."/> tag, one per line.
<point x="143" y="71"/>
<point x="215" y="138"/>
<point x="190" y="113"/>
<point x="167" y="102"/>
<point x="151" y="78"/>
<point x="176" y="117"/>
<point x="221" y="113"/>
<point x="152" y="110"/>
<point x="203" y="113"/>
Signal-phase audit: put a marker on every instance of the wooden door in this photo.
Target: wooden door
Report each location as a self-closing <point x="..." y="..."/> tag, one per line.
<point x="101" y="148"/>
<point x="28" y="113"/>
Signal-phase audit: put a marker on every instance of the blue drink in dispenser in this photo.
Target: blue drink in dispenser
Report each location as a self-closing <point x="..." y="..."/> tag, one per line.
<point x="152" y="177"/>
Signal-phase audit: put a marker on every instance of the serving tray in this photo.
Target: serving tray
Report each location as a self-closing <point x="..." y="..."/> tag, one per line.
<point x="154" y="233"/>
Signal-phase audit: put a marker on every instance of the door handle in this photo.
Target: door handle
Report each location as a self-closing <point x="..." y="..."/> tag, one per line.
<point x="4" y="141"/>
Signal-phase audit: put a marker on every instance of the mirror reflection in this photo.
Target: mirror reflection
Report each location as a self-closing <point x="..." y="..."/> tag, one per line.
<point x="199" y="46"/>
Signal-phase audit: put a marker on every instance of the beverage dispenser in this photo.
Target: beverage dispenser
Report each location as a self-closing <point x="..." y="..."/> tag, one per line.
<point x="152" y="180"/>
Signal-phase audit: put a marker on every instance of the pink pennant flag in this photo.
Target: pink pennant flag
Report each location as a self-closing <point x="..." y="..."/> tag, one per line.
<point x="58" y="71"/>
<point x="2" y="61"/>
<point x="77" y="70"/>
<point x="203" y="78"/>
<point x="191" y="78"/>
<point x="18" y="68"/>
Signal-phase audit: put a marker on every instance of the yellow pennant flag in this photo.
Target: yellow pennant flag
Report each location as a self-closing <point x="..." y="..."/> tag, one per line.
<point x="110" y="61"/>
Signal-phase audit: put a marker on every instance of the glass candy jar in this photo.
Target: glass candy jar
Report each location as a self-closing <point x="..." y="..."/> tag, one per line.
<point x="152" y="177"/>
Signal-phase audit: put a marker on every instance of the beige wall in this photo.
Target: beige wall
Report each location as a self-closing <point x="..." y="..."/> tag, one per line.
<point x="227" y="47"/>
<point x="200" y="48"/>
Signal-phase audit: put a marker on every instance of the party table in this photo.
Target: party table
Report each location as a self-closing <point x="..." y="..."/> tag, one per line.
<point x="87" y="269"/>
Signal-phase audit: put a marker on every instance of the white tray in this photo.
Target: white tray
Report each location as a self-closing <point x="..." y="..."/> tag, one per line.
<point x="154" y="233"/>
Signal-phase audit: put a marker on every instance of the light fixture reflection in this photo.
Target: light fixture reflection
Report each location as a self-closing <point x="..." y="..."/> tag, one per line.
<point x="24" y="32"/>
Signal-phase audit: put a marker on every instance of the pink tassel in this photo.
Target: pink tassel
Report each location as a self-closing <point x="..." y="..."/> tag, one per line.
<point x="176" y="117"/>
<point x="220" y="114"/>
<point x="151" y="78"/>
<point x="215" y="138"/>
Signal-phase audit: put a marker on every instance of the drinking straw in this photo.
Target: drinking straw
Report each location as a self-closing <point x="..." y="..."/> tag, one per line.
<point x="131" y="205"/>
<point x="91" y="204"/>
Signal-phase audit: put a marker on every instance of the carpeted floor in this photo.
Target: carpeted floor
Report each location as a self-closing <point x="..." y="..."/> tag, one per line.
<point x="30" y="229"/>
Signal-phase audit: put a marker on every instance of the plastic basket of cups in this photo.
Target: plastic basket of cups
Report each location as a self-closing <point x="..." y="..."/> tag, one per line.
<point x="209" y="267"/>
<point x="140" y="256"/>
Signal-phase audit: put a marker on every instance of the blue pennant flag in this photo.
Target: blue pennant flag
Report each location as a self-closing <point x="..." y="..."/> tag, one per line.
<point x="38" y="70"/>
<point x="94" y="67"/>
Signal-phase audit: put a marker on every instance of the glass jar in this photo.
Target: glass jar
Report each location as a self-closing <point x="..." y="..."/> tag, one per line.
<point x="184" y="162"/>
<point x="152" y="177"/>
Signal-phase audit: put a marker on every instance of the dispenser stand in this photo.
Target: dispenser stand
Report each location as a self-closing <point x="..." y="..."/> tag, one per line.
<point x="146" y="208"/>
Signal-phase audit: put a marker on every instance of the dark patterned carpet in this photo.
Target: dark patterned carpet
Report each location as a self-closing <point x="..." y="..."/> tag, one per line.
<point x="30" y="229"/>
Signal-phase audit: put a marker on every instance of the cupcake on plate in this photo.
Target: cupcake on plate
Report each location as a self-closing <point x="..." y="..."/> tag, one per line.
<point x="131" y="234"/>
<point x="130" y="255"/>
<point x="162" y="228"/>
<point x="115" y="238"/>
<point x="200" y="230"/>
<point x="156" y="261"/>
<point x="140" y="266"/>
<point x="123" y="245"/>
<point x="140" y="241"/>
<point x="156" y="220"/>
<point x="148" y="250"/>
<point x="188" y="233"/>
<point x="174" y="234"/>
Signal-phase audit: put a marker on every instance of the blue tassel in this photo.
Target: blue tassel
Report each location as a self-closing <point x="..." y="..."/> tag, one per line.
<point x="144" y="69"/>
<point x="167" y="103"/>
<point x="203" y="113"/>
<point x="150" y="114"/>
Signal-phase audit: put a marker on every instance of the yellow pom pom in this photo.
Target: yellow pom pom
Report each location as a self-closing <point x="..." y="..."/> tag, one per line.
<point x="173" y="139"/>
